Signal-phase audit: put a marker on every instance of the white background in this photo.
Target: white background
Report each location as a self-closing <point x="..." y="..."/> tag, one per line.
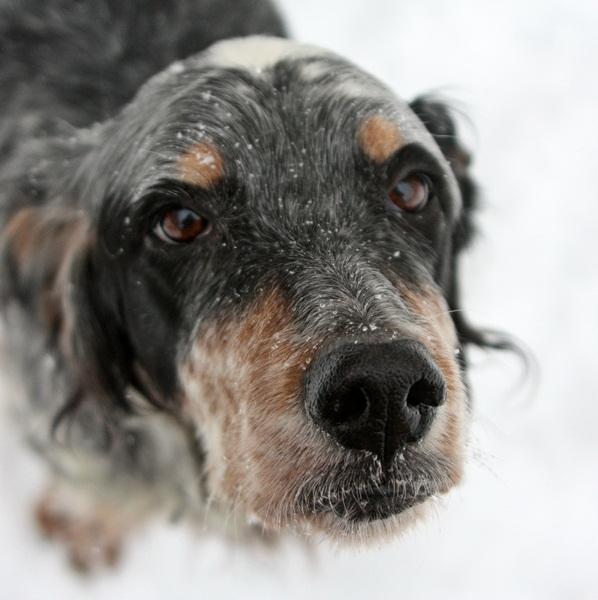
<point x="524" y="523"/>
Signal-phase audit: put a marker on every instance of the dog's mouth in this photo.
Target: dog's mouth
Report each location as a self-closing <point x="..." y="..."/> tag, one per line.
<point x="367" y="494"/>
<point x="378" y="504"/>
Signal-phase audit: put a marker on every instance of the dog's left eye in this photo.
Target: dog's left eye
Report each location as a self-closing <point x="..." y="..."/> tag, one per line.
<point x="180" y="225"/>
<point x="411" y="193"/>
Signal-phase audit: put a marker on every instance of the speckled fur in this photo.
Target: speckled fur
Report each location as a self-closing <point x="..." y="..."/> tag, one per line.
<point x="173" y="377"/>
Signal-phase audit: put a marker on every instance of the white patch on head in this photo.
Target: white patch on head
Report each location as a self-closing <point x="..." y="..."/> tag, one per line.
<point x="259" y="52"/>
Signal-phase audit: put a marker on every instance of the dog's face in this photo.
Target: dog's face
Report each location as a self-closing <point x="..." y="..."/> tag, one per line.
<point x="274" y="237"/>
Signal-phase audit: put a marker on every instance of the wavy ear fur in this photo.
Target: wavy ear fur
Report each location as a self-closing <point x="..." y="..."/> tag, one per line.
<point x="437" y="118"/>
<point x="40" y="245"/>
<point x="48" y="251"/>
<point x="98" y="341"/>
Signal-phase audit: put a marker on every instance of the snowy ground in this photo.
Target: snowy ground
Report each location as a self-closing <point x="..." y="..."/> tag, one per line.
<point x="525" y="522"/>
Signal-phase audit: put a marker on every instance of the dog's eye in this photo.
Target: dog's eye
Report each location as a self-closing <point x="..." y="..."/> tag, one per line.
<point x="180" y="225"/>
<point x="411" y="193"/>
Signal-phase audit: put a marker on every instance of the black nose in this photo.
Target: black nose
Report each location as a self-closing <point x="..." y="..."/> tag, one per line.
<point x="375" y="397"/>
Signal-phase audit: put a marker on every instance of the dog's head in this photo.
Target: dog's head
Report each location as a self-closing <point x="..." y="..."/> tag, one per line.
<point x="273" y="258"/>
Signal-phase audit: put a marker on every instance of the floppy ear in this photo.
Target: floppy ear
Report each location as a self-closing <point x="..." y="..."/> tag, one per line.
<point x="39" y="246"/>
<point x="97" y="340"/>
<point x="437" y="118"/>
<point x="48" y="255"/>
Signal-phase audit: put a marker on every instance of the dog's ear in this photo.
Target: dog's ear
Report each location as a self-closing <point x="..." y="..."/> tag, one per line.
<point x="437" y="118"/>
<point x="39" y="246"/>
<point x="98" y="341"/>
<point x="48" y="252"/>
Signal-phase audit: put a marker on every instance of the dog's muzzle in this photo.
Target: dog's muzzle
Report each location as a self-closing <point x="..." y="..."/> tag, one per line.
<point x="376" y="397"/>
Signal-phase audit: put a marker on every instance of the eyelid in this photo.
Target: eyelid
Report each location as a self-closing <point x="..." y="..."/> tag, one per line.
<point x="411" y="159"/>
<point x="169" y="194"/>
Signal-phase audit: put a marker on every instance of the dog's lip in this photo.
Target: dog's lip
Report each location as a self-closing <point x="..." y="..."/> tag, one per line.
<point x="362" y="491"/>
<point x="373" y="503"/>
<point x="377" y="504"/>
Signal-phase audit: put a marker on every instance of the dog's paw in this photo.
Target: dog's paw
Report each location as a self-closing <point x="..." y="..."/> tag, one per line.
<point x="91" y="535"/>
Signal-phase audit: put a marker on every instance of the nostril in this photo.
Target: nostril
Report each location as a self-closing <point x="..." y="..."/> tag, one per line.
<point x="425" y="393"/>
<point x="374" y="397"/>
<point x="347" y="407"/>
<point x="420" y="393"/>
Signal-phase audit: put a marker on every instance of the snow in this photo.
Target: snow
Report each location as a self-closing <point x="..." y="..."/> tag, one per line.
<point x="524" y="524"/>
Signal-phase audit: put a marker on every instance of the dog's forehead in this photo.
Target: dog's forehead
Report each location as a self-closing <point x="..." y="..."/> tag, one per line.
<point x="287" y="96"/>
<point x="319" y="75"/>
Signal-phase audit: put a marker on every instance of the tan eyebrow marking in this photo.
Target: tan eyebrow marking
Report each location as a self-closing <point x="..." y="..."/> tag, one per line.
<point x="379" y="138"/>
<point x="201" y="165"/>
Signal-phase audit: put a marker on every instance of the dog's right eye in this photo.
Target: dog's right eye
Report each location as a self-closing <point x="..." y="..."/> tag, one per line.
<point x="177" y="225"/>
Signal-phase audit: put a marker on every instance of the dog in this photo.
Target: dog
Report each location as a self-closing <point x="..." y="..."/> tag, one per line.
<point x="230" y="275"/>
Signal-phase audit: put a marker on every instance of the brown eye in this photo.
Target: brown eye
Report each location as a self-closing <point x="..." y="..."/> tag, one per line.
<point x="410" y="193"/>
<point x="180" y="226"/>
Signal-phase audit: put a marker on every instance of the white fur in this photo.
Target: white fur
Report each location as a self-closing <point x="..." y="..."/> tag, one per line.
<point x="259" y="52"/>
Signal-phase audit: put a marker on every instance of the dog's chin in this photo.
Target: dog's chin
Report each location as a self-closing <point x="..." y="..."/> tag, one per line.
<point x="362" y="518"/>
<point x="369" y="527"/>
<point x="369" y="512"/>
<point x="363" y="502"/>
<point x="376" y="504"/>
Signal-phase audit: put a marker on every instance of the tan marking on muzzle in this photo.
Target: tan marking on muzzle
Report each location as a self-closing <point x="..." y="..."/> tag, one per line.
<point x="242" y="383"/>
<point x="379" y="138"/>
<point x="438" y="335"/>
<point x="201" y="165"/>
